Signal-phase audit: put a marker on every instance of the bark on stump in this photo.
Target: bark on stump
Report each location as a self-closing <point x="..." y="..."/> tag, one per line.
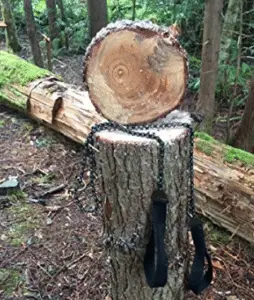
<point x="128" y="166"/>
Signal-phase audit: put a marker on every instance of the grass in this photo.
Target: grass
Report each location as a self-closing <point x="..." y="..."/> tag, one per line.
<point x="10" y="279"/>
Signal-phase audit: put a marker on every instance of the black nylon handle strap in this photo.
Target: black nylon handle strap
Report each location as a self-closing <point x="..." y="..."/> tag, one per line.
<point x="156" y="260"/>
<point x="198" y="281"/>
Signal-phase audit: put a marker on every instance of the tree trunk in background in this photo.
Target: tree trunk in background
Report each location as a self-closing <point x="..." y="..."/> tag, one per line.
<point x="133" y="10"/>
<point x="31" y="31"/>
<point x="65" y="21"/>
<point x="52" y="19"/>
<point x="98" y="16"/>
<point x="244" y="137"/>
<point x="229" y="25"/>
<point x="11" y="32"/>
<point x="210" y="55"/>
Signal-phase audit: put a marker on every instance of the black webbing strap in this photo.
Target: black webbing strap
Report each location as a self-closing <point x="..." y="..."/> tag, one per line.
<point x="156" y="260"/>
<point x="198" y="281"/>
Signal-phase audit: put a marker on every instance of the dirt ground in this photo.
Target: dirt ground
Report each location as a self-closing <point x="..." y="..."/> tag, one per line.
<point x="49" y="249"/>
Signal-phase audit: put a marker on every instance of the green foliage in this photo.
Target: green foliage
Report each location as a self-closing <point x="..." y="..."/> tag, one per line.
<point x="2" y="123"/>
<point x="194" y="77"/>
<point x="188" y="14"/>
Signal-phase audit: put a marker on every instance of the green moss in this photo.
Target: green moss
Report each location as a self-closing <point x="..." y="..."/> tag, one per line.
<point x="27" y="219"/>
<point x="217" y="235"/>
<point x="205" y="144"/>
<point x="44" y="179"/>
<point x="205" y="137"/>
<point x="17" y="195"/>
<point x="232" y="155"/>
<point x="19" y="103"/>
<point x="14" y="69"/>
<point x="10" y="279"/>
<point x="205" y="147"/>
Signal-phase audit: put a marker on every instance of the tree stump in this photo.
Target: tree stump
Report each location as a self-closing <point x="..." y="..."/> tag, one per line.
<point x="135" y="72"/>
<point x="128" y="171"/>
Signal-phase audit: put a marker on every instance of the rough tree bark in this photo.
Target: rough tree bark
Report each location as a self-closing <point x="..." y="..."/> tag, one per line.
<point x="11" y="32"/>
<point x="65" y="23"/>
<point x="98" y="16"/>
<point x="210" y="55"/>
<point x="133" y="10"/>
<point x="229" y="25"/>
<point x="52" y="19"/>
<point x="32" y="33"/>
<point x="129" y="171"/>
<point x="244" y="136"/>
<point x="225" y="191"/>
<point x="135" y="71"/>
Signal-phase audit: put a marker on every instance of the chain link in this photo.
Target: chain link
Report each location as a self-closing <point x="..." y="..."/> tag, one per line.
<point x="134" y="130"/>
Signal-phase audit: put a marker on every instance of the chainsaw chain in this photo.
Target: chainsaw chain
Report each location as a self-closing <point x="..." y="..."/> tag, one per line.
<point x="89" y="162"/>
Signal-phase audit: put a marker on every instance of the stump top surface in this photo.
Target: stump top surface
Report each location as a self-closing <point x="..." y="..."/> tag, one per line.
<point x="169" y="135"/>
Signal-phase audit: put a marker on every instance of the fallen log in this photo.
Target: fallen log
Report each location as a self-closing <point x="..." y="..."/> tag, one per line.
<point x="224" y="176"/>
<point x="44" y="97"/>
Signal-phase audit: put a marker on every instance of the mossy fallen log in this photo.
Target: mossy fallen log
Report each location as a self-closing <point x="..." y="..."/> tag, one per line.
<point x="224" y="176"/>
<point x="44" y="97"/>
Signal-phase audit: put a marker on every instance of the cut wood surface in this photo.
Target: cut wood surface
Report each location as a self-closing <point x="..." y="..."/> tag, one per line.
<point x="225" y="191"/>
<point x="2" y="24"/>
<point x="135" y="72"/>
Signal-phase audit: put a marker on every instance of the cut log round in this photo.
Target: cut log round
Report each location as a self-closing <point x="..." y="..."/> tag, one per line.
<point x="135" y="72"/>
<point x="128" y="167"/>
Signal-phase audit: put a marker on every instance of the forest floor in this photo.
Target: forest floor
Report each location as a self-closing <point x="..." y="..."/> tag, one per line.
<point x="52" y="250"/>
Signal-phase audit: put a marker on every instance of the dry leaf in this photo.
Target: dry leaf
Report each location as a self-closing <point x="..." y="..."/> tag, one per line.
<point x="217" y="265"/>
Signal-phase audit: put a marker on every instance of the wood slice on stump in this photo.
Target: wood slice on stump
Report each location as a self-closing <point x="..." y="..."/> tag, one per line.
<point x="135" y="72"/>
<point x="128" y="168"/>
